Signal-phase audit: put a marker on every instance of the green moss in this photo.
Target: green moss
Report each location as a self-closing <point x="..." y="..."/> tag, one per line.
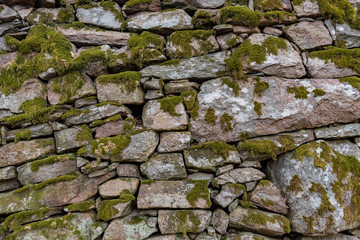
<point x="73" y="112"/>
<point x="48" y="182"/>
<point x="240" y="14"/>
<point x="260" y="147"/>
<point x="132" y="3"/>
<point x="260" y="218"/>
<point x="84" y="135"/>
<point x="257" y="108"/>
<point x="218" y="148"/>
<point x="94" y="54"/>
<point x="66" y="14"/>
<point x="15" y="220"/>
<point x="325" y="203"/>
<point x="318" y="92"/>
<point x="300" y="92"/>
<point x="107" y="209"/>
<point x="260" y="87"/>
<point x="34" y="166"/>
<point x="194" y="113"/>
<point x="67" y="86"/>
<point x="210" y="116"/>
<point x="173" y="62"/>
<point x="97" y="123"/>
<point x="169" y="104"/>
<point x="247" y="204"/>
<point x="186" y="221"/>
<point x="287" y="143"/>
<point x="225" y="122"/>
<point x="12" y="42"/>
<point x="279" y="16"/>
<point x="233" y="84"/>
<point x="23" y="135"/>
<point x="130" y="81"/>
<point x="203" y="17"/>
<point x="268" y="5"/>
<point x="189" y="99"/>
<point x="81" y="206"/>
<point x="147" y="182"/>
<point x="135" y="220"/>
<point x="353" y="81"/>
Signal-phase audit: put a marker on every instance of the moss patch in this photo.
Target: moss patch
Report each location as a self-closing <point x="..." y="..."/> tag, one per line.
<point x="257" y="108"/>
<point x="318" y="92"/>
<point x="225" y="122"/>
<point x="218" y="148"/>
<point x="300" y="92"/>
<point x="74" y="112"/>
<point x="129" y="81"/>
<point x="353" y="81"/>
<point x="268" y="5"/>
<point x="186" y="221"/>
<point x="169" y="104"/>
<point x="35" y="165"/>
<point x="132" y="3"/>
<point x="189" y="99"/>
<point x="260" y="87"/>
<point x="68" y="85"/>
<point x="199" y="191"/>
<point x="107" y="209"/>
<point x="233" y="84"/>
<point x="23" y="135"/>
<point x="84" y="135"/>
<point x="81" y="206"/>
<point x="15" y="220"/>
<point x="257" y="217"/>
<point x="260" y="147"/>
<point x="240" y="14"/>
<point x="210" y="116"/>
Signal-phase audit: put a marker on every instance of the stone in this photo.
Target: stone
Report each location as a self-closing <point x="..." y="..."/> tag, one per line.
<point x="267" y="196"/>
<point x="51" y="15"/>
<point x="56" y="98"/>
<point x="229" y="192"/>
<point x="39" y="171"/>
<point x="128" y="170"/>
<point x="166" y="166"/>
<point x="115" y="187"/>
<point x="174" y="141"/>
<point x="7" y="14"/>
<point x="153" y="6"/>
<point x="6" y="60"/>
<point x="48" y="74"/>
<point x="238" y="30"/>
<point x="284" y="142"/>
<point x="110" y="209"/>
<point x="282" y="112"/>
<point x="170" y="237"/>
<point x="342" y="131"/>
<point x="154" y="94"/>
<point x="9" y="185"/>
<point x="307" y="8"/>
<point x="110" y="129"/>
<point x="316" y="171"/>
<point x="20" y="2"/>
<point x="333" y="237"/>
<point x="173" y="194"/>
<point x="23" y="11"/>
<point x="220" y="220"/>
<point x="7" y="173"/>
<point x="130" y="227"/>
<point x="30" y="89"/>
<point x="160" y="22"/>
<point x="283" y="19"/>
<point x="154" y="84"/>
<point x="239" y="175"/>
<point x="193" y="4"/>
<point x="228" y="41"/>
<point x="247" y="236"/>
<point x="208" y="236"/>
<point x="309" y="35"/>
<point x="223" y="28"/>
<point x="119" y="92"/>
<point x="98" y="173"/>
<point x="272" y="31"/>
<point x="40" y="130"/>
<point x="344" y="33"/>
<point x="183" y="221"/>
<point x="10" y="27"/>
<point x="224" y="169"/>
<point x="88" y="36"/>
<point x="72" y="138"/>
<point x="247" y="219"/>
<point x="205" y="158"/>
<point x="98" y="229"/>
<point x="156" y="119"/>
<point x="57" y="192"/>
<point x="101" y="17"/>
<point x="47" y="3"/>
<point x="79" y="103"/>
<point x="96" y="112"/>
<point x="201" y="176"/>
<point x="94" y="166"/>
<point x="180" y="86"/>
<point x="24" y="151"/>
<point x="195" y="68"/>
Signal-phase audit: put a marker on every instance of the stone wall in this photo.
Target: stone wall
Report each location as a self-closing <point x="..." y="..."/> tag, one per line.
<point x="180" y="119"/>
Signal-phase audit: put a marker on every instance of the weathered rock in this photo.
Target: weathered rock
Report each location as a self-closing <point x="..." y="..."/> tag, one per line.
<point x="183" y="221"/>
<point x="174" y="194"/>
<point x="153" y="6"/>
<point x="167" y="166"/>
<point x="160" y="22"/>
<point x="247" y="236"/>
<point x="101" y="17"/>
<point x="281" y="110"/>
<point x="180" y="86"/>
<point x="10" y="27"/>
<point x="251" y="150"/>
<point x="169" y="237"/>
<point x="20" y="2"/>
<point x="9" y="185"/>
<point x="30" y="89"/>
<point x="7" y="173"/>
<point x="272" y="31"/>
<point x="333" y="237"/>
<point x="220" y="220"/>
<point x="40" y="130"/>
<point x="307" y="8"/>
<point x="128" y="170"/>
<point x="206" y="157"/>
<point x="267" y="196"/>
<point x="247" y="219"/>
<point x="309" y="35"/>
<point x="24" y="151"/>
<point x="110" y="209"/>
<point x="154" y="84"/>
<point x="110" y="129"/>
<point x="315" y="179"/>
<point x="174" y="141"/>
<point x="228" y="41"/>
<point x="155" y="118"/>
<point x="115" y="187"/>
<point x="239" y="175"/>
<point x="344" y="33"/>
<point x="6" y="60"/>
<point x="130" y="227"/>
<point x="72" y="138"/>
<point x="193" y="4"/>
<point x="154" y="94"/>
<point x="41" y="170"/>
<point x="342" y="131"/>
<point x="96" y="112"/>
<point x="51" y="15"/>
<point x="47" y="3"/>
<point x="94" y="166"/>
<point x="7" y="14"/>
<point x="86" y="36"/>
<point x="199" y="68"/>
<point x="79" y="103"/>
<point x="229" y="192"/>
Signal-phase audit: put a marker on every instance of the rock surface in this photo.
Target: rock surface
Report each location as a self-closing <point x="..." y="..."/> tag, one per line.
<point x="319" y="68"/>
<point x="174" y="141"/>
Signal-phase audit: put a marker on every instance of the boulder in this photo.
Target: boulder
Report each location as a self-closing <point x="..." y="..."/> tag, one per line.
<point x="151" y="6"/>
<point x="246" y="236"/>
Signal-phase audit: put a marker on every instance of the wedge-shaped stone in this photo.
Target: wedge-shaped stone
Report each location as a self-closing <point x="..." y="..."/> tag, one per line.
<point x="24" y="151"/>
<point x="183" y="221"/>
<point x="115" y="187"/>
<point x="174" y="194"/>
<point x="269" y="224"/>
<point x="283" y="107"/>
<point x="342" y="131"/>
<point x="239" y="175"/>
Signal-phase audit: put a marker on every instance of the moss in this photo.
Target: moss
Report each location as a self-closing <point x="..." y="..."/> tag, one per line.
<point x="23" y="135"/>
<point x="240" y="14"/>
<point x="233" y="84"/>
<point x="268" y="5"/>
<point x="81" y="206"/>
<point x="225" y="122"/>
<point x="203" y="17"/>
<point x="194" y="113"/>
<point x="130" y="81"/>
<point x="48" y="182"/>
<point x="135" y="220"/>
<point x="264" y="219"/>
<point x="300" y="92"/>
<point x="353" y="81"/>
<point x="84" y="135"/>
<point x="257" y="108"/>
<point x="94" y="54"/>
<point x="279" y="16"/>
<point x="239" y="188"/>
<point x="199" y="191"/>
<point x="109" y="103"/>
<point x="132" y="3"/>
<point x="73" y="112"/>
<point x="218" y="148"/>
<point x="35" y="165"/>
<point x="189" y="99"/>
<point x="68" y="86"/>
<point x="232" y="42"/>
<point x="343" y="58"/>
<point x="260" y="87"/>
<point x="186" y="221"/>
<point x="12" y="42"/>
<point x="169" y="104"/>
<point x="287" y="143"/>
<point x="15" y="220"/>
<point x="66" y="14"/>
<point x="147" y="182"/>
<point x="260" y="147"/>
<point x="325" y="203"/>
<point x="210" y="116"/>
<point x="97" y="123"/>
<point x="318" y="92"/>
<point x="107" y="209"/>
<point x="247" y="204"/>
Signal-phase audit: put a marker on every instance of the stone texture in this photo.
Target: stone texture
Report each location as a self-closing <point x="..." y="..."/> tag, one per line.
<point x="182" y="221"/>
<point x="170" y="237"/>
<point x="7" y="173"/>
<point x="174" y="141"/>
<point x="247" y="236"/>
<point x="307" y="8"/>
<point x="180" y="86"/>
<point x="113" y="188"/>
<point x="10" y="27"/>
<point x="24" y="151"/>
<point x="50" y="16"/>
<point x="229" y="192"/>
<point x="343" y="32"/>
<point x="333" y="237"/>
<point x="158" y="120"/>
<point x="314" y="178"/>
<point x="128" y="170"/>
<point x="220" y="220"/>
<point x="342" y="131"/>
<point x="173" y="194"/>
<point x="153" y="6"/>
<point x="160" y="22"/>
<point x="117" y="209"/>
<point x="309" y="35"/>
<point x="246" y="219"/>
<point x="40" y="130"/>
<point x="167" y="166"/>
<point x="6" y="59"/>
<point x="7" y="14"/>
<point x="224" y="39"/>
<point x="70" y="139"/>
<point x="239" y="175"/>
<point x="193" y="4"/>
<point x="282" y="112"/>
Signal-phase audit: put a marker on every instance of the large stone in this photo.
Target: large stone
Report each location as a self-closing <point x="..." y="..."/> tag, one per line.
<point x="309" y="35"/>
<point x="307" y="8"/>
<point x="281" y="111"/>
<point x="173" y="194"/>
<point x="24" y="151"/>
<point x="271" y="224"/>
<point x="111" y="129"/>
<point x="7" y="14"/>
<point x="88" y="36"/>
<point x="174" y="141"/>
<point x="342" y="131"/>
<point x="30" y="89"/>
<point x="40" y="130"/>
<point x="321" y="186"/>
<point x="169" y="237"/>
<point x="51" y="15"/>
<point x="9" y="185"/>
<point x="20" y="2"/>
<point x="116" y="187"/>
<point x="239" y="175"/>
<point x="160" y="22"/>
<point x="72" y="138"/>
<point x="101" y="17"/>
<point x="193" y="4"/>
<point x="183" y="221"/>
<point x="167" y="166"/>
<point x="229" y="192"/>
<point x="344" y="33"/>
<point x="158" y="120"/>
<point x="197" y="68"/>
<point x="180" y="86"/>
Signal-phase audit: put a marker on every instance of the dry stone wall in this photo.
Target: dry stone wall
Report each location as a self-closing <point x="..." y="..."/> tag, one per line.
<point x="180" y="119"/>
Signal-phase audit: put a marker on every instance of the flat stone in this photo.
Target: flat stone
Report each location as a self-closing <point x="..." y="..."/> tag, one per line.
<point x="7" y="59"/>
<point x="224" y="40"/>
<point x="239" y="175"/>
<point x="333" y="237"/>
<point x="40" y="130"/>
<point x="343" y="32"/>
<point x="220" y="220"/>
<point x="24" y="151"/>
<point x="272" y="31"/>
<point x="170" y="237"/>
<point x="193" y="4"/>
<point x="173" y="194"/>
<point x="247" y="236"/>
<point x="174" y="141"/>
<point x="307" y="8"/>
<point x="180" y="86"/>
<point x="153" y="6"/>
<point x="154" y="84"/>
<point x="201" y="176"/>
<point x="128" y="170"/>
<point x="229" y="192"/>
<point x="113" y="188"/>
<point x="273" y="225"/>
<point x="342" y="131"/>
<point x="8" y="173"/>
<point x="110" y="129"/>
<point x="183" y="221"/>
<point x="51" y="16"/>
<point x="10" y="27"/>
<point x="72" y="138"/>
<point x="7" y="14"/>
<point x="9" y="185"/>
<point x="79" y="103"/>
<point x="154" y="94"/>
<point x="166" y="166"/>
<point x="110" y="209"/>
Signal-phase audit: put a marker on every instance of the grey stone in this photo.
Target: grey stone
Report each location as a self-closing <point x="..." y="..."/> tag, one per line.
<point x="71" y="138"/>
<point x="7" y="14"/>
<point x="229" y="192"/>
<point x="220" y="220"/>
<point x="307" y="8"/>
<point x="153" y="6"/>
<point x="128" y="170"/>
<point x="79" y="103"/>
<point x="272" y="31"/>
<point x="154" y="84"/>
<point x="48" y="74"/>
<point x="10" y="27"/>
<point x="343" y="32"/>
<point x="239" y="175"/>
<point x="180" y="86"/>
<point x="333" y="237"/>
<point x="40" y="130"/>
<point x="342" y="131"/>
<point x="7" y="173"/>
<point x="174" y="141"/>
<point x="154" y="94"/>
<point x="193" y="4"/>
<point x="118" y="209"/>
<point x="9" y="185"/>
<point x="94" y="166"/>
<point x="201" y="176"/>
<point x="225" y="40"/>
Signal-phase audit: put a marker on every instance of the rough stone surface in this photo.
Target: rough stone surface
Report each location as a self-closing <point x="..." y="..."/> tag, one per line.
<point x="114" y="187"/>
<point x="228" y="193"/>
<point x="174" y="141"/>
<point x="40" y="130"/>
<point x="334" y="237"/>
<point x="7" y="14"/>
<point x="67" y="139"/>
<point x="247" y="236"/>
<point x="343" y="32"/>
<point x="223" y="40"/>
<point x="318" y="68"/>
<point x="220" y="220"/>
<point x="153" y="6"/>
<point x="307" y="8"/>
<point x="239" y="175"/>
<point x="342" y="131"/>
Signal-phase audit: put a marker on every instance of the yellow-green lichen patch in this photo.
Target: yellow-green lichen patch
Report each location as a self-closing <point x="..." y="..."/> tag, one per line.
<point x="94" y="54"/>
<point x="199" y="191"/>
<point x="23" y="135"/>
<point x="318" y="92"/>
<point x="15" y="220"/>
<point x="63" y="178"/>
<point x="173" y="62"/>
<point x="169" y="104"/>
<point x="353" y="81"/>
<point x="279" y="16"/>
<point x="225" y="122"/>
<point x="186" y="221"/>
<point x="260" y="218"/>
<point x="240" y="14"/>
<point x="84" y="135"/>
<point x="295" y="184"/>
<point x="260" y="87"/>
<point x="210" y="116"/>
<point x="189" y="99"/>
<point x="257" y="108"/>
<point x="287" y="143"/>
<point x="300" y="92"/>
<point x="81" y="206"/>
<point x="233" y="84"/>
<point x="260" y="147"/>
<point x="194" y="113"/>
<point x="107" y="209"/>
<point x="66" y="15"/>
<point x="218" y="148"/>
<point x="34" y="166"/>
<point x="129" y="80"/>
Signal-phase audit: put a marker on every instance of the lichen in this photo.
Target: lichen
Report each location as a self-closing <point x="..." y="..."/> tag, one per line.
<point x="169" y="104"/>
<point x="257" y="108"/>
<point x="278" y="16"/>
<point x="268" y="5"/>
<point x="12" y="42"/>
<point x="210" y="116"/>
<point x="218" y="148"/>
<point x="318" y="92"/>
<point x="240" y="14"/>
<point x="233" y="84"/>
<point x="202" y="19"/>
<point x="189" y="99"/>
<point x="300" y="92"/>
<point x="23" y="135"/>
<point x="35" y="165"/>
<point x="81" y="206"/>
<point x="225" y="122"/>
<point x="173" y="62"/>
<point x="199" y="191"/>
<point x="130" y="80"/>
<point x="263" y="219"/>
<point x="260" y="147"/>
<point x="186" y="221"/>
